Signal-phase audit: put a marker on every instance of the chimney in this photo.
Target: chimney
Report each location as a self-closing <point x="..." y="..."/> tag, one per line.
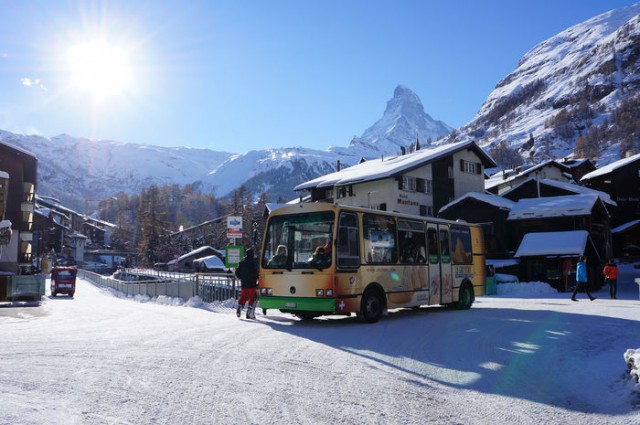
<point x="338" y="166"/>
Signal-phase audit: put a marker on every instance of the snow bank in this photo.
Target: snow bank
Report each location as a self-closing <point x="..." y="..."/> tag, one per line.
<point x="525" y="288"/>
<point x="632" y="359"/>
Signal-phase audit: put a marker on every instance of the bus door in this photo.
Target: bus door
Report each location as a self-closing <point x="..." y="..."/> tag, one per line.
<point x="433" y="248"/>
<point x="446" y="274"/>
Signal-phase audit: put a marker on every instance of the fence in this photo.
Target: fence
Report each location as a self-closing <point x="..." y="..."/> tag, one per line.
<point x="209" y="287"/>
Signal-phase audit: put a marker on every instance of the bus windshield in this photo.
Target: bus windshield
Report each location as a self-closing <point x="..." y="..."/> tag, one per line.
<point x="302" y="241"/>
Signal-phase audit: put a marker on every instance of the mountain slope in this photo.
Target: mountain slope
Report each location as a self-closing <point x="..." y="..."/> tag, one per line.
<point x="74" y="169"/>
<point x="565" y="88"/>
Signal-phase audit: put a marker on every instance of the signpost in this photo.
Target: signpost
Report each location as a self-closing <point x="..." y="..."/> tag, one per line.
<point x="233" y="252"/>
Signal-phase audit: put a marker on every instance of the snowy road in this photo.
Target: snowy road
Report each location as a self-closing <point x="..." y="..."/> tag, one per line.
<point x="100" y="359"/>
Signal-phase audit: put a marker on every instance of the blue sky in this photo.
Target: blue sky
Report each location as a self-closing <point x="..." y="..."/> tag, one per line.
<point x="240" y="75"/>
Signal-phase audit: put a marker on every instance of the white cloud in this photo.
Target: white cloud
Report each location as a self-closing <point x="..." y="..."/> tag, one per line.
<point x="36" y="82"/>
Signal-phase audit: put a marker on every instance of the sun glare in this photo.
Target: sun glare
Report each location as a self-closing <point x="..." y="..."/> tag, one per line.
<point x="99" y="68"/>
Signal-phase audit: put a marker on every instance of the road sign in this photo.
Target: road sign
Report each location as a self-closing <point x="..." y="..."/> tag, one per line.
<point x="234" y="227"/>
<point x="233" y="255"/>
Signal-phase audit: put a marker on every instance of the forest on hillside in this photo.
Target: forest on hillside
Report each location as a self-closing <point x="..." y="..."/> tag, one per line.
<point x="164" y="222"/>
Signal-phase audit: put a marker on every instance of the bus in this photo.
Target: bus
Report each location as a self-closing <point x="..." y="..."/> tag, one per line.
<point x="328" y="259"/>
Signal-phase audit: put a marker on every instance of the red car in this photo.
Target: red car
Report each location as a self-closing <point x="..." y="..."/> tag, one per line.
<point x="63" y="280"/>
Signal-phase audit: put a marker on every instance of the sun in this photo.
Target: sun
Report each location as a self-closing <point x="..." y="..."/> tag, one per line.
<point x="99" y="68"/>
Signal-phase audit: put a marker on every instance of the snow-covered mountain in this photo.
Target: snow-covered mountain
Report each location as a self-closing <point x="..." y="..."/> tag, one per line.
<point x="403" y="121"/>
<point x="74" y="169"/>
<point x="577" y="84"/>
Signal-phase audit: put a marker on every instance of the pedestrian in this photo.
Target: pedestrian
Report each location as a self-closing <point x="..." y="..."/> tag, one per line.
<point x="611" y="277"/>
<point x="247" y="272"/>
<point x="581" y="278"/>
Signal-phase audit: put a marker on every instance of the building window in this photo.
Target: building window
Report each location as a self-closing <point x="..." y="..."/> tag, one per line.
<point x="409" y="183"/>
<point x="423" y="186"/>
<point x="426" y="211"/>
<point x="345" y="191"/>
<point x="470" y="167"/>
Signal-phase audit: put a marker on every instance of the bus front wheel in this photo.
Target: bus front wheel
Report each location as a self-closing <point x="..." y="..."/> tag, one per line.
<point x="465" y="298"/>
<point x="371" y="306"/>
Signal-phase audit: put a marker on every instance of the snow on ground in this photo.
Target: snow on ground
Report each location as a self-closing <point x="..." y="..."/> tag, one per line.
<point x="526" y="356"/>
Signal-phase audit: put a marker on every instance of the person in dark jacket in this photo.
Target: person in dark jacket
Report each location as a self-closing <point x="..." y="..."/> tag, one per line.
<point x="581" y="278"/>
<point x="247" y="272"/>
<point x="610" y="272"/>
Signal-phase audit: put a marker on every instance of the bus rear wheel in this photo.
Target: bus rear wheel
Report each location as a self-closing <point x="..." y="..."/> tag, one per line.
<point x="371" y="306"/>
<point x="465" y="298"/>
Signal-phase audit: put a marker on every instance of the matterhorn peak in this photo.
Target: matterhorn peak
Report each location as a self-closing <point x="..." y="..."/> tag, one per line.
<point x="404" y="101"/>
<point x="403" y="121"/>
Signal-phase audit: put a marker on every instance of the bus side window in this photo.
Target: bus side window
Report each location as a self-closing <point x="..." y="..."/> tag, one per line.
<point x="348" y="246"/>
<point x="444" y="246"/>
<point x="379" y="238"/>
<point x="432" y="240"/>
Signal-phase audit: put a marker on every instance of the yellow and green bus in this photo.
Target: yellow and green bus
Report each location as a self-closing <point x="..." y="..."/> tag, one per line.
<point x="327" y="259"/>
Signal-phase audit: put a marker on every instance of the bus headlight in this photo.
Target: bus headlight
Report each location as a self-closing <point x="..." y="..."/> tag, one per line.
<point x="266" y="291"/>
<point x="319" y="292"/>
<point x="329" y="293"/>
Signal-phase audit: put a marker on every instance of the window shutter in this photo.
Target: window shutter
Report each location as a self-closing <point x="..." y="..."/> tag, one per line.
<point x="462" y="165"/>
<point x="479" y="167"/>
<point x="400" y="182"/>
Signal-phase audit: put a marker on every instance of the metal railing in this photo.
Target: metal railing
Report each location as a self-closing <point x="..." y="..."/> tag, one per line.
<point x="209" y="287"/>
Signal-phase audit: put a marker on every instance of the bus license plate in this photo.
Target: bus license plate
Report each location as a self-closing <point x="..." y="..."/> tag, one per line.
<point x="290" y="305"/>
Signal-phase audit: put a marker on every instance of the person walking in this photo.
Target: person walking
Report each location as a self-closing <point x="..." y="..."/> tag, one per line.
<point x="247" y="272"/>
<point x="581" y="278"/>
<point x="610" y="272"/>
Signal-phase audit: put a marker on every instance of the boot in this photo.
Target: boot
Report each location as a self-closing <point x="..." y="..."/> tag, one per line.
<point x="239" y="311"/>
<point x="250" y="314"/>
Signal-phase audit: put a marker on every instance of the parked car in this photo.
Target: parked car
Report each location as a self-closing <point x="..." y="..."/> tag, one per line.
<point x="210" y="264"/>
<point x="63" y="280"/>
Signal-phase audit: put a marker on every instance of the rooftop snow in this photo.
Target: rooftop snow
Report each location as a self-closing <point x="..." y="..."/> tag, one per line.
<point x="610" y="167"/>
<point x="559" y="244"/>
<point x="496" y="179"/>
<point x="554" y="206"/>
<point x="376" y="169"/>
<point x="495" y="200"/>
<point x="625" y="226"/>
<point x="569" y="187"/>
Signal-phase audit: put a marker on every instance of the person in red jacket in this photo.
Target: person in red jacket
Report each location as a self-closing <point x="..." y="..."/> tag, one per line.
<point x="611" y="277"/>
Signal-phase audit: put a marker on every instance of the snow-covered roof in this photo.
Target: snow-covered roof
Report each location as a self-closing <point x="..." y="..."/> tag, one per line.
<point x="569" y="187"/>
<point x="625" y="226"/>
<point x="212" y="262"/>
<point x="197" y="251"/>
<point x="5" y="223"/>
<point x="556" y="244"/>
<point x="488" y="198"/>
<point x="376" y="169"/>
<point x="553" y="206"/>
<point x="4" y="175"/>
<point x="497" y="178"/>
<point x="610" y="167"/>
